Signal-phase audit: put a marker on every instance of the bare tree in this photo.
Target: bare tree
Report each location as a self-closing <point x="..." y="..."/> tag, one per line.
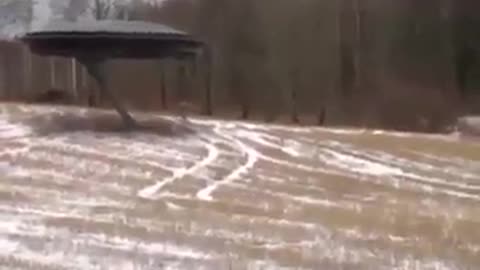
<point x="16" y="16"/>
<point x="70" y="10"/>
<point x="108" y="9"/>
<point x="297" y="57"/>
<point x="74" y="10"/>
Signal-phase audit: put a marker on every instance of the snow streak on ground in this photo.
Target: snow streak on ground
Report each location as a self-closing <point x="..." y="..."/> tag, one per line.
<point x="77" y="194"/>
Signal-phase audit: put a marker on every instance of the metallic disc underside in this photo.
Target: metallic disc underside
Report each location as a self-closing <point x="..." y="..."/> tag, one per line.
<point x="106" y="47"/>
<point x="110" y="39"/>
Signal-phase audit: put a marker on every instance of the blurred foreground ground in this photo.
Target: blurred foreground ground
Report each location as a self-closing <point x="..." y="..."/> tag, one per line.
<point x="76" y="192"/>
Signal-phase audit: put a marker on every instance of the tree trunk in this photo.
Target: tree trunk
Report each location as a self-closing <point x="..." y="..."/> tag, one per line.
<point x="208" y="82"/>
<point x="245" y="109"/>
<point x="84" y="83"/>
<point x="446" y="13"/>
<point x="464" y="52"/>
<point x="53" y="71"/>
<point x="321" y="115"/>
<point x="163" y="88"/>
<point x="347" y="51"/>
<point x="294" y="78"/>
<point x="181" y="85"/>
<point x="357" y="48"/>
<point x="27" y="57"/>
<point x="4" y="77"/>
<point x="74" y="79"/>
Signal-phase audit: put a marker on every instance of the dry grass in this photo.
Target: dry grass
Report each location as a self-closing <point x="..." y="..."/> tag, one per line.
<point x="312" y="198"/>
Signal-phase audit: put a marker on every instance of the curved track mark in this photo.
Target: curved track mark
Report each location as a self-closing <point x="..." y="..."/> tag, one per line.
<point x="257" y="139"/>
<point x="150" y="191"/>
<point x="252" y="157"/>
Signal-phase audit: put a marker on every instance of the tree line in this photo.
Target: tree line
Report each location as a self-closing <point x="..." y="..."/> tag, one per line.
<point x="410" y="65"/>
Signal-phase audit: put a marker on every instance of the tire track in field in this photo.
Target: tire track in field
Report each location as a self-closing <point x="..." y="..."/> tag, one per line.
<point x="150" y="192"/>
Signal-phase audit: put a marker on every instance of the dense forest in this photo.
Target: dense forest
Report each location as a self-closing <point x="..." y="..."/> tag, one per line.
<point x="402" y="64"/>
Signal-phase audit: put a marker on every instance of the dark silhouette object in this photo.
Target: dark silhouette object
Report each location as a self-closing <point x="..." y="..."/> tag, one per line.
<point x="321" y="116"/>
<point x="464" y="62"/>
<point x="53" y="96"/>
<point x="92" y="43"/>
<point x="294" y="115"/>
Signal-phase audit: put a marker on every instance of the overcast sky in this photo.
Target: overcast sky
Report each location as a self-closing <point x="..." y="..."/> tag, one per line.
<point x="11" y="12"/>
<point x="41" y="11"/>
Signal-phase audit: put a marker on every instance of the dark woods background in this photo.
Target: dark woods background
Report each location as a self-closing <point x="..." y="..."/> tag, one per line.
<point x="403" y="64"/>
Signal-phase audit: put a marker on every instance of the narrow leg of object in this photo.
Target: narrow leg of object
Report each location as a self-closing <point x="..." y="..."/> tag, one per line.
<point x="127" y="119"/>
<point x="95" y="68"/>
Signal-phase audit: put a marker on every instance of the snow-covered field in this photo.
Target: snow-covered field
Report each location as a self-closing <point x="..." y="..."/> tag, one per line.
<point x="75" y="193"/>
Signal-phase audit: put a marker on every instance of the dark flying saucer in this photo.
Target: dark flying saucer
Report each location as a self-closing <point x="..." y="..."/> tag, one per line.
<point x="107" y="39"/>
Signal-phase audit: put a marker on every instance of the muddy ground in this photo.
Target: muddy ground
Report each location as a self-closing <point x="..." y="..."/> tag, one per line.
<point x="78" y="192"/>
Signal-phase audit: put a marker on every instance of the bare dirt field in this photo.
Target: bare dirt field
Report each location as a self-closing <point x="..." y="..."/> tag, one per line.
<point x="77" y="192"/>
